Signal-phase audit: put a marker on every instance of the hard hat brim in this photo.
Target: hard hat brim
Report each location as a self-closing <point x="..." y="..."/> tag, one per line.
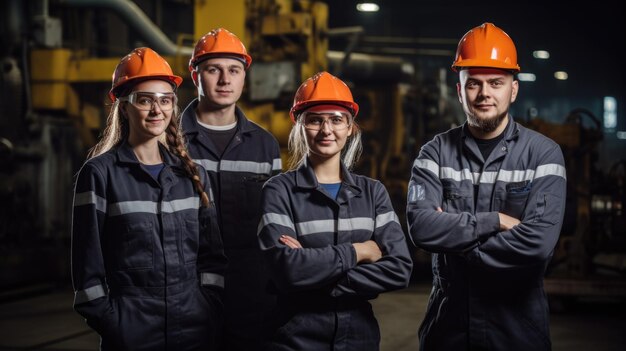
<point x="481" y="64"/>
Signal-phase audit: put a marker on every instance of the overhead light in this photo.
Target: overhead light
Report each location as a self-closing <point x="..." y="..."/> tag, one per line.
<point x="526" y="77"/>
<point x="541" y="54"/>
<point x="610" y="112"/>
<point x="367" y="7"/>
<point x="560" y="75"/>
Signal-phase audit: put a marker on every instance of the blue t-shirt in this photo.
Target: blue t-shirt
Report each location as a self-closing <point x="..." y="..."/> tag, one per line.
<point x="154" y="170"/>
<point x="332" y="189"/>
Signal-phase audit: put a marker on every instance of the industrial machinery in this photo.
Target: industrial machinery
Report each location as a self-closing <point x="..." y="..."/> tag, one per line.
<point x="58" y="56"/>
<point x="590" y="257"/>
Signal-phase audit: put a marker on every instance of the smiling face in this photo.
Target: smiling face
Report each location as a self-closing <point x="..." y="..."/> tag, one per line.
<point x="219" y="81"/>
<point x="149" y="108"/>
<point x="486" y="95"/>
<point x="327" y="128"/>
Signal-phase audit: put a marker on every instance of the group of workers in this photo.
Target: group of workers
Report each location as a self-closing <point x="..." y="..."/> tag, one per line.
<point x="188" y="235"/>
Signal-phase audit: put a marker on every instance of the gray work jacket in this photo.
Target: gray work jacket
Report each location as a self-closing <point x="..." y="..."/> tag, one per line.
<point x="487" y="284"/>
<point x="323" y="293"/>
<point x="147" y="260"/>
<point x="237" y="176"/>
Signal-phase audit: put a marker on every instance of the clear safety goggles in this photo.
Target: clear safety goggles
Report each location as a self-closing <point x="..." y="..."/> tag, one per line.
<point x="144" y="101"/>
<point x="335" y="120"/>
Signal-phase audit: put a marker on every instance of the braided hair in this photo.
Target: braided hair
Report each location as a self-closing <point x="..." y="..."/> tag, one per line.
<point x="176" y="143"/>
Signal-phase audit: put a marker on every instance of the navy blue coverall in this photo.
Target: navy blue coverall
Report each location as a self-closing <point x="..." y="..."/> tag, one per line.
<point x="237" y="177"/>
<point x="147" y="260"/>
<point x="323" y="293"/>
<point x="487" y="284"/>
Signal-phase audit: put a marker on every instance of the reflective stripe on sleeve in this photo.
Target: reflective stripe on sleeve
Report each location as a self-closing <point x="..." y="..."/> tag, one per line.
<point x="427" y="165"/>
<point x="275" y="218"/>
<point x="209" y="165"/>
<point x="550" y="169"/>
<point x="88" y="294"/>
<point x="385" y="218"/>
<point x="90" y="198"/>
<point x="211" y="279"/>
<point x="211" y="196"/>
<point x="277" y="165"/>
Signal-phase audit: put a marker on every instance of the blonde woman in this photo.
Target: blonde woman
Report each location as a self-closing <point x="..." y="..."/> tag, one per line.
<point x="331" y="237"/>
<point x="147" y="258"/>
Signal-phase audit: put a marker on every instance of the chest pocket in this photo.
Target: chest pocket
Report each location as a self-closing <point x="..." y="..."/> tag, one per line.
<point x="137" y="246"/>
<point x="457" y="199"/>
<point x="515" y="198"/>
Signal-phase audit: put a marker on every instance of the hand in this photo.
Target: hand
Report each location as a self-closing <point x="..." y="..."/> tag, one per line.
<point x="291" y="242"/>
<point x="367" y="252"/>
<point x="439" y="209"/>
<point x="507" y="222"/>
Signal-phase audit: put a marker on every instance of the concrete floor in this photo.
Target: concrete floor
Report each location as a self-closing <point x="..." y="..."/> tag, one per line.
<point x="46" y="321"/>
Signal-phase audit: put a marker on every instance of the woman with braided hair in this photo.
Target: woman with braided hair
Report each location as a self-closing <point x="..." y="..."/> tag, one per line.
<point x="147" y="255"/>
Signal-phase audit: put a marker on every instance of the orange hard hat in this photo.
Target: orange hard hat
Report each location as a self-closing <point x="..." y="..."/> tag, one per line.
<point x="219" y="43"/>
<point x="142" y="63"/>
<point x="486" y="46"/>
<point x="323" y="88"/>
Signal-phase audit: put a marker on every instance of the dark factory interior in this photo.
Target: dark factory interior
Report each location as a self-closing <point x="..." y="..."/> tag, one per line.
<point x="58" y="56"/>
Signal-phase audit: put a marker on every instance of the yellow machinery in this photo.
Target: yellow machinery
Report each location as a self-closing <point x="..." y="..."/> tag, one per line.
<point x="286" y="41"/>
<point x="59" y="56"/>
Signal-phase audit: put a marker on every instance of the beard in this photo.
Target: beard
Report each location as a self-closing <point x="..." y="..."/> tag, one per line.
<point x="486" y="125"/>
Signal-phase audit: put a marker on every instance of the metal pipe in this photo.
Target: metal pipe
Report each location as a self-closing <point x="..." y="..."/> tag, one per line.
<point x="137" y="19"/>
<point x="344" y="31"/>
<point x="409" y="40"/>
<point x="365" y="67"/>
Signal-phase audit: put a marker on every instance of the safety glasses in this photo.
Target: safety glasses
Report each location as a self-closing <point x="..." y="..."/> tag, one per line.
<point x="144" y="101"/>
<point x="335" y="120"/>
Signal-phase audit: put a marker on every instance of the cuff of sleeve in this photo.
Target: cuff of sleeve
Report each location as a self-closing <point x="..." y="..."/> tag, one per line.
<point x="487" y="224"/>
<point x="348" y="259"/>
<point x="341" y="287"/>
<point x="348" y="256"/>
